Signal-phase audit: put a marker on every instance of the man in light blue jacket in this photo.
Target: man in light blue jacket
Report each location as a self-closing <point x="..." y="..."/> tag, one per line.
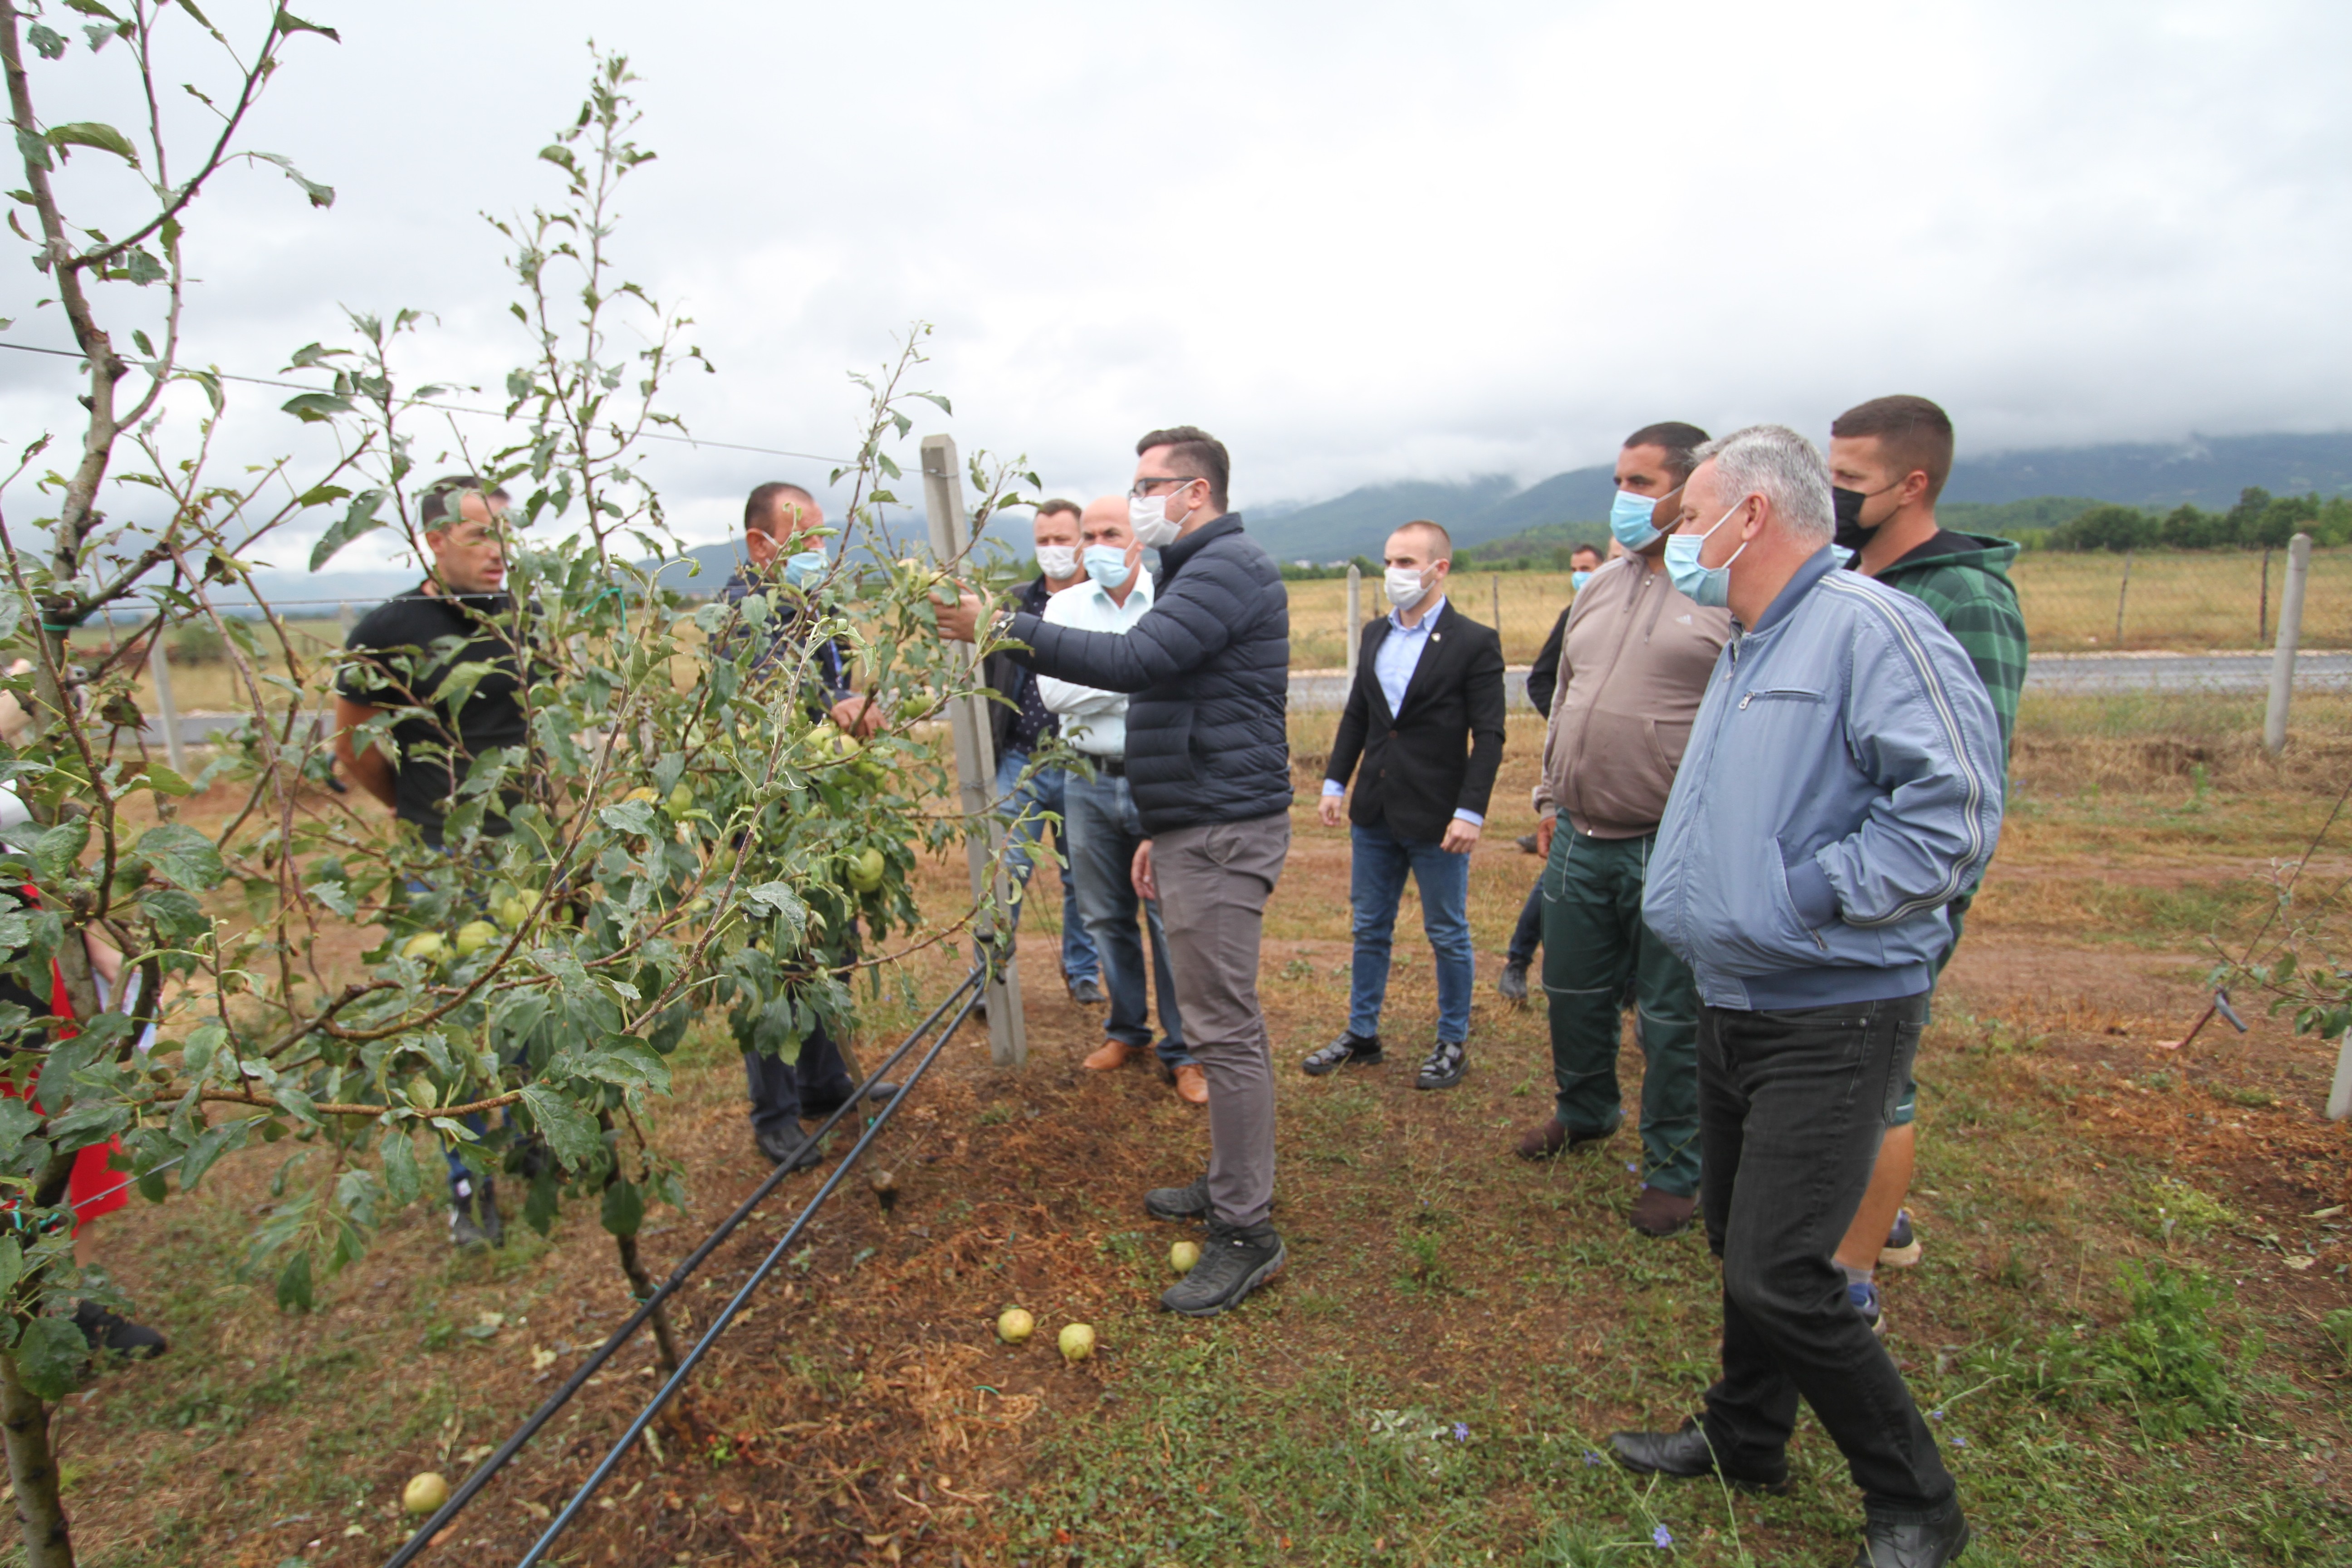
<point x="1842" y="783"/>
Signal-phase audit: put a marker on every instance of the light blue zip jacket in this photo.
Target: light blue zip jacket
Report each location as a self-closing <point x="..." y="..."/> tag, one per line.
<point x="1842" y="782"/>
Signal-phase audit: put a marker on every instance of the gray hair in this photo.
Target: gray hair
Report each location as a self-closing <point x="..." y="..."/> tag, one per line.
<point x="1777" y="463"/>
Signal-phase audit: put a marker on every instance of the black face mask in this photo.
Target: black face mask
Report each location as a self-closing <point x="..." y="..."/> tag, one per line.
<point x="1846" y="506"/>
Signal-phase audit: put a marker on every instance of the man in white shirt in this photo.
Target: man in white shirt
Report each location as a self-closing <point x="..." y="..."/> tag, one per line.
<point x="1098" y="814"/>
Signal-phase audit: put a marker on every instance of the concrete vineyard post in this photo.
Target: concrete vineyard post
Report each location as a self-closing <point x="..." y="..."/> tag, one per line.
<point x="2340" y="1095"/>
<point x="1008" y="1037"/>
<point x="2263" y="606"/>
<point x="158" y="669"/>
<point x="1355" y="619"/>
<point x="1495" y="581"/>
<point x="2289" y="633"/>
<point x="2122" y="594"/>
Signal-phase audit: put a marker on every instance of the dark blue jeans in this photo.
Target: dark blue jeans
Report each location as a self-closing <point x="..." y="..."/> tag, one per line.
<point x="1104" y="831"/>
<point x="1022" y="803"/>
<point x="1376" y="874"/>
<point x="1791" y="1108"/>
<point x="782" y="1093"/>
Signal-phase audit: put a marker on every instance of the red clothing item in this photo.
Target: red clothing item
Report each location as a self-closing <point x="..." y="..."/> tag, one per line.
<point x="95" y="1187"/>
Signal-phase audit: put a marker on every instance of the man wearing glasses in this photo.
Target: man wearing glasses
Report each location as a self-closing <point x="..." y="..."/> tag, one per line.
<point x="1208" y="762"/>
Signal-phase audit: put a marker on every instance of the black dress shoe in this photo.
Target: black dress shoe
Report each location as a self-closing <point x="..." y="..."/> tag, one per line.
<point x="1915" y="1542"/>
<point x="1347" y="1050"/>
<point x="1088" y="992"/>
<point x="788" y="1146"/>
<point x="108" y="1331"/>
<point x="1684" y="1454"/>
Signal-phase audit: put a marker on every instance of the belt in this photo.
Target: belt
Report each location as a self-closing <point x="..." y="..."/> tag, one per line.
<point x="1109" y="767"/>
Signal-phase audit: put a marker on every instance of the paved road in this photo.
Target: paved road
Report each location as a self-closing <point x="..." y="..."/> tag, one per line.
<point x="1325" y="690"/>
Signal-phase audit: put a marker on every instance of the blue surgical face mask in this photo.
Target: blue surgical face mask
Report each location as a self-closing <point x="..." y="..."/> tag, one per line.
<point x="1629" y="519"/>
<point x="1107" y="564"/>
<point x="1576" y="580"/>
<point x="806" y="568"/>
<point x="1709" y="585"/>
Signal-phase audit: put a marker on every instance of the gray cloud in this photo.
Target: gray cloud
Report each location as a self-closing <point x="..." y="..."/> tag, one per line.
<point x="1359" y="242"/>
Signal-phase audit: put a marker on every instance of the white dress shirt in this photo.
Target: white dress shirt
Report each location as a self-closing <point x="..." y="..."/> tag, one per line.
<point x="1093" y="720"/>
<point x="1392" y="666"/>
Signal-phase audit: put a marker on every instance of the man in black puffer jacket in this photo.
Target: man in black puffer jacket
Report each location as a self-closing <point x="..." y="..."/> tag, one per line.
<point x="1208" y="761"/>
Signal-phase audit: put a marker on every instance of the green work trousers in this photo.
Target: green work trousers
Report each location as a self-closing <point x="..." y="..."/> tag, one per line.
<point x="1596" y="949"/>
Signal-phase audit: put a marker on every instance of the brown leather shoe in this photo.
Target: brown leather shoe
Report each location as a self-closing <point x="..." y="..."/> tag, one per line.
<point x="1657" y="1212"/>
<point x="1192" y="1085"/>
<point x="1111" y="1058"/>
<point x="1550" y="1139"/>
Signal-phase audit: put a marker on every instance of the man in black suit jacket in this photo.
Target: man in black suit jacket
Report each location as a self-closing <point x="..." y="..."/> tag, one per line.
<point x="1425" y="717"/>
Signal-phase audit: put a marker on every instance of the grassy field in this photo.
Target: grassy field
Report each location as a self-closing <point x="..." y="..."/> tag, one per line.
<point x="1458" y="1331"/>
<point x="2184" y="601"/>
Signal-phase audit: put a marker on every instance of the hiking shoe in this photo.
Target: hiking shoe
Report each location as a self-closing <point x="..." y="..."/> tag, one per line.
<point x="108" y="1331"/>
<point x="788" y="1146"/>
<point x="1345" y="1052"/>
<point x="1686" y="1454"/>
<point x="1236" y="1261"/>
<point x="1444" y="1066"/>
<point x="1902" y="1249"/>
<point x="1660" y="1213"/>
<point x="1178" y="1202"/>
<point x="1086" y="991"/>
<point x="1514" y="983"/>
<point x="474" y="1215"/>
<point x="1862" y="1295"/>
<point x="1551" y="1137"/>
<point x="1915" y="1542"/>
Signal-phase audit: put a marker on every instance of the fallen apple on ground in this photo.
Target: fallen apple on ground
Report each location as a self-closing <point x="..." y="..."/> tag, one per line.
<point x="1183" y="1256"/>
<point x="1077" y="1341"/>
<point x="1014" y="1326"/>
<point x="425" y="1492"/>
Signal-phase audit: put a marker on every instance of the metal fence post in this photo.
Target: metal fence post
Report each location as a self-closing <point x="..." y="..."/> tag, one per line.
<point x="2262" y="610"/>
<point x="2289" y="633"/>
<point x="1008" y="1033"/>
<point x="2122" y="594"/>
<point x="159" y="667"/>
<point x="1496" y="580"/>
<point x="1355" y="619"/>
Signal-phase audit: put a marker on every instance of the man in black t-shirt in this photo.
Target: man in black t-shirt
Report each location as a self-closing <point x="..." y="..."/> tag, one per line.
<point x="407" y="647"/>
<point x="404" y="650"/>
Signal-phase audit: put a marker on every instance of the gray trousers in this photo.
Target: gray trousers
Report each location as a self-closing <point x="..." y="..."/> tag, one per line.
<point x="1213" y="884"/>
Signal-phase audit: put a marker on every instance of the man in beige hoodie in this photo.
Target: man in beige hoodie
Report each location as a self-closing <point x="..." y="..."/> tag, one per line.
<point x="1634" y="663"/>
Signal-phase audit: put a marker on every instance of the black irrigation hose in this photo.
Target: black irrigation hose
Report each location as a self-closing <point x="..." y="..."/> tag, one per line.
<point x="727" y="1314"/>
<point x="480" y="1476"/>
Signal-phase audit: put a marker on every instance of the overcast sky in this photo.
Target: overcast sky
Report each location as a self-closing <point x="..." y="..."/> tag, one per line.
<point x="1359" y="242"/>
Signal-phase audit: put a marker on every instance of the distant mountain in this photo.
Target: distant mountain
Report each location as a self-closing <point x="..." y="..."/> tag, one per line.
<point x="2209" y="471"/>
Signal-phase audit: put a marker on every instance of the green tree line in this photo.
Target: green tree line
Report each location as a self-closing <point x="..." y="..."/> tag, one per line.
<point x="2259" y="521"/>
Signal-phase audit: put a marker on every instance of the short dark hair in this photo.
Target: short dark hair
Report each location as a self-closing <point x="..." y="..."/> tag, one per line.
<point x="1680" y="441"/>
<point x="1591" y="550"/>
<point x="1198" y="450"/>
<point x="1048" y="507"/>
<point x="1912" y="434"/>
<point x="759" y="510"/>
<point x="439" y="508"/>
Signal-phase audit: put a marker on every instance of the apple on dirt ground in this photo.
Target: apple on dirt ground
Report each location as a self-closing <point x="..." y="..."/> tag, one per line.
<point x="425" y="1492"/>
<point x="1077" y="1341"/>
<point x="1183" y="1256"/>
<point x="1014" y="1326"/>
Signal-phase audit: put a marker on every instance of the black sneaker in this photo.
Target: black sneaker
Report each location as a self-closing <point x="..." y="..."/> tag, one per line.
<point x="1086" y="991"/>
<point x="1178" y="1202"/>
<point x="1446" y="1066"/>
<point x="108" y="1331"/>
<point x="1236" y="1261"/>
<point x="1514" y="983"/>
<point x="1346" y="1051"/>
<point x="787" y="1145"/>
<point x="474" y="1215"/>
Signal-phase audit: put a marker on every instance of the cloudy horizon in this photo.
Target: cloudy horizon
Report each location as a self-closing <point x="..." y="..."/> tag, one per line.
<point x="1360" y="244"/>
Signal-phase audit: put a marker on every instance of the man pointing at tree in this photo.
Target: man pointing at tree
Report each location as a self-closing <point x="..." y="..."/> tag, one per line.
<point x="1208" y="762"/>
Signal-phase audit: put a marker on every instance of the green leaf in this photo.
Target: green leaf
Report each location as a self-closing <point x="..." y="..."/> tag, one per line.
<point x="294" y="1282"/>
<point x="290" y="23"/>
<point x="164" y="781"/>
<point x="938" y="398"/>
<point x="145" y="347"/>
<point x="11" y="1265"/>
<point x="57" y="853"/>
<point x="210" y="382"/>
<point x="182" y="855"/>
<point x="92" y="133"/>
<point x="46" y="39"/>
<point x="200" y="20"/>
<point x="629" y="816"/>
<point x="360" y="518"/>
<point x="321" y="495"/>
<point x="321" y="195"/>
<point x="569" y="1130"/>
<point x="317" y="407"/>
<point x="51" y="1357"/>
<point x="625" y="1208"/>
<point x="401" y="1178"/>
<point x="210" y="1146"/>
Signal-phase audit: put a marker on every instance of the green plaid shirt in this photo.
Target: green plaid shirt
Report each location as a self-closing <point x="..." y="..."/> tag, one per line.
<point x="1963" y="578"/>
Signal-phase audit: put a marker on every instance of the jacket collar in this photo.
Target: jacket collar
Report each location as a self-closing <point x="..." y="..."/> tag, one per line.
<point x="1822" y="562"/>
<point x="1173" y="555"/>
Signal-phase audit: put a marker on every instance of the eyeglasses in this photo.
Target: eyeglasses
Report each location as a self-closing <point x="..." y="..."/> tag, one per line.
<point x="1135" y="492"/>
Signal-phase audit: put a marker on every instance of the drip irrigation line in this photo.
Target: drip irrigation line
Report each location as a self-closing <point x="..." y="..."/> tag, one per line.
<point x="455" y="408"/>
<point x="480" y="1477"/>
<point x="662" y="1396"/>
